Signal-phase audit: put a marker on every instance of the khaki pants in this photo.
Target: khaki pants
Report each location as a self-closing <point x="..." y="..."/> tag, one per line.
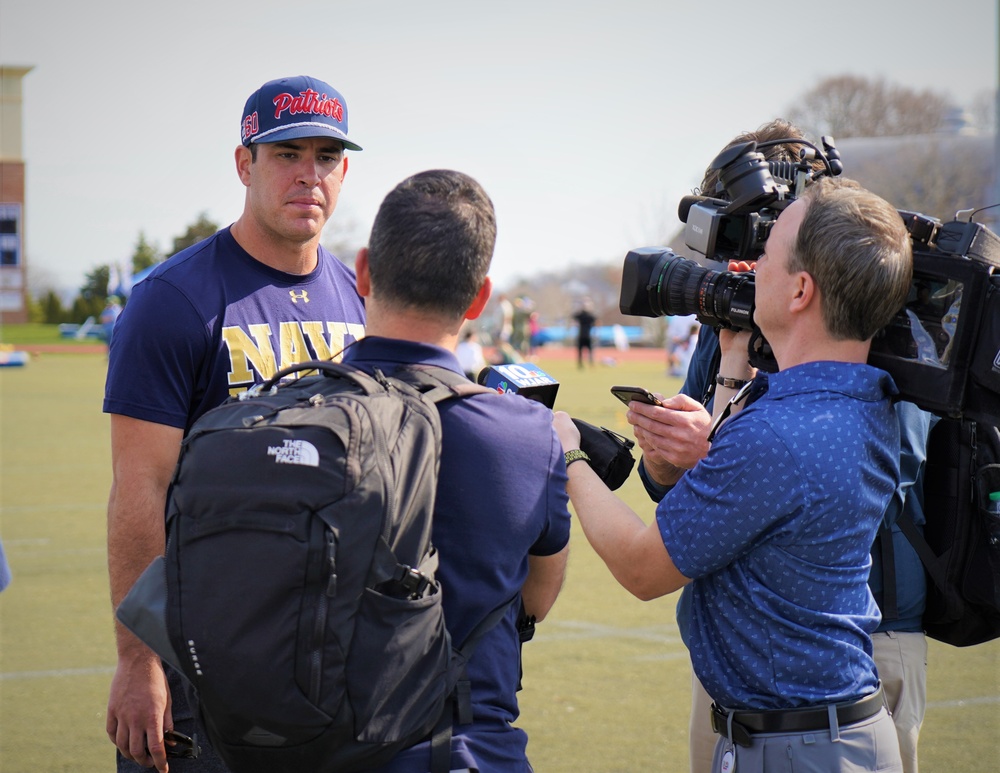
<point x="901" y="659"/>
<point x="701" y="737"/>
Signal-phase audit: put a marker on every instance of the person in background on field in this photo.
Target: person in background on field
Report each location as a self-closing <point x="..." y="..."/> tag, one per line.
<point x="520" y="336"/>
<point x="681" y="332"/>
<point x="585" y="321"/>
<point x="109" y="316"/>
<point x="5" y="575"/>
<point x="534" y="333"/>
<point x="505" y="329"/>
<point x="469" y="352"/>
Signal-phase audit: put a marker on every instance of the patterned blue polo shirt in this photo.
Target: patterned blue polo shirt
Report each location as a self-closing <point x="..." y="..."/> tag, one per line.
<point x="774" y="527"/>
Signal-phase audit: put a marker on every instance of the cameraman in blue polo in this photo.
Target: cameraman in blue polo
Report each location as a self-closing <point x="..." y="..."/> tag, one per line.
<point x="772" y="528"/>
<point x="673" y="440"/>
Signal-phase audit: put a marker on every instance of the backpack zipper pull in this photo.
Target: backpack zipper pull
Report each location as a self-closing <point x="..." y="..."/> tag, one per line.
<point x="380" y="378"/>
<point x="973" y="463"/>
<point x="331" y="553"/>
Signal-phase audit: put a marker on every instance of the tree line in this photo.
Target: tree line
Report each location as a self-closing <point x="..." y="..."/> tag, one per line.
<point x="100" y="284"/>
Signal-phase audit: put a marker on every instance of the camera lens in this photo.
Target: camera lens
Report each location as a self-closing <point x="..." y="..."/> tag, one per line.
<point x="656" y="282"/>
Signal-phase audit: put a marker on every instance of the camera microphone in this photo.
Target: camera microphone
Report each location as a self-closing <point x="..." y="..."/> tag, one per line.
<point x="689" y="201"/>
<point x="521" y="378"/>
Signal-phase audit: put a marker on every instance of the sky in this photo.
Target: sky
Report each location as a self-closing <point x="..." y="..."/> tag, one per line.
<point x="585" y="122"/>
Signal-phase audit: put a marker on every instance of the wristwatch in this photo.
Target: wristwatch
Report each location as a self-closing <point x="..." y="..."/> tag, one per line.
<point x="575" y="456"/>
<point x="731" y="383"/>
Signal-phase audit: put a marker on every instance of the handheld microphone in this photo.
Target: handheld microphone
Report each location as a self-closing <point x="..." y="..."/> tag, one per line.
<point x="522" y="378"/>
<point x="610" y="453"/>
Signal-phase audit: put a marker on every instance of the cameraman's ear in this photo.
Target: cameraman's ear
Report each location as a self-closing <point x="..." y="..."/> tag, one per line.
<point x="363" y="280"/>
<point x="482" y="297"/>
<point x="805" y="291"/>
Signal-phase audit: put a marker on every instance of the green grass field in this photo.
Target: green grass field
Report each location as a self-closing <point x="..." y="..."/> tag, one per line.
<point x="607" y="680"/>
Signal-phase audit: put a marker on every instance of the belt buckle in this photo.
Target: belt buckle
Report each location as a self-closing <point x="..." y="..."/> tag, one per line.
<point x="721" y="724"/>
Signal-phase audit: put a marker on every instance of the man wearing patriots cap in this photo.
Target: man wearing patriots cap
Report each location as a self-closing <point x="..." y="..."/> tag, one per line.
<point x="210" y="322"/>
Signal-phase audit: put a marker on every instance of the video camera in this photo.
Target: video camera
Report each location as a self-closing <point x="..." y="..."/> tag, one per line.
<point x="942" y="348"/>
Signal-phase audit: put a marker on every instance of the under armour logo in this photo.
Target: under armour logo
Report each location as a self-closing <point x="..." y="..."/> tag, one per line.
<point x="300" y="296"/>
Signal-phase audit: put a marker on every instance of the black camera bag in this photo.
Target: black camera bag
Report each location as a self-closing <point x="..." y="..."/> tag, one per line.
<point x="960" y="543"/>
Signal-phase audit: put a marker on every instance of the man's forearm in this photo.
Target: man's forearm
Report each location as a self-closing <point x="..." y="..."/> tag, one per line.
<point x="632" y="551"/>
<point x="545" y="579"/>
<point x="135" y="538"/>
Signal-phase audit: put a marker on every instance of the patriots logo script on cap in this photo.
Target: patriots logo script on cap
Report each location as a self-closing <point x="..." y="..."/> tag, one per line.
<point x="309" y="101"/>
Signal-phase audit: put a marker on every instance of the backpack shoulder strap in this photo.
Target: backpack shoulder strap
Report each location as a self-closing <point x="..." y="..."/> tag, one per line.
<point x="887" y="554"/>
<point x="438" y="384"/>
<point x="328" y="368"/>
<point x="927" y="556"/>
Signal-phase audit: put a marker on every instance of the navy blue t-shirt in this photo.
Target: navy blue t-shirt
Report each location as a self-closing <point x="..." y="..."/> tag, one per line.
<point x="211" y="322"/>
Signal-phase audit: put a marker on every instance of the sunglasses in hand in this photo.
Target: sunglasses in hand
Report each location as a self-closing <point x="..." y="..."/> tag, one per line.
<point x="180" y="746"/>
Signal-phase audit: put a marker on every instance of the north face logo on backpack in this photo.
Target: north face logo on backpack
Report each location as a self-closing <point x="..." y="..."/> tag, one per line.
<point x="295" y="452"/>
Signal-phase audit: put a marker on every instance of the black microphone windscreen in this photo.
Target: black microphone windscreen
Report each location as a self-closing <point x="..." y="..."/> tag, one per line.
<point x="685" y="206"/>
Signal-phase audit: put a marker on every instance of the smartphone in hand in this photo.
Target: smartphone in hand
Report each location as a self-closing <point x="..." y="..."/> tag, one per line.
<point x="629" y="393"/>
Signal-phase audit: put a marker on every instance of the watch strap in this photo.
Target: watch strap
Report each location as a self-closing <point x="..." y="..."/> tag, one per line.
<point x="731" y="383"/>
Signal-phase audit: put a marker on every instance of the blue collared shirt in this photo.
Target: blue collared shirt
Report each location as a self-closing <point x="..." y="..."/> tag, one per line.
<point x="775" y="526"/>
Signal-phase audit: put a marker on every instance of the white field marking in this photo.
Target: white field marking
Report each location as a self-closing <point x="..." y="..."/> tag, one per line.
<point x="14" y="509"/>
<point x="570" y="630"/>
<point x="57" y="673"/>
<point x="961" y="703"/>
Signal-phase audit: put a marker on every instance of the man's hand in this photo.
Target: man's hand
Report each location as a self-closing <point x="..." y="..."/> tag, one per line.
<point x="734" y="344"/>
<point x="673" y="438"/>
<point x="139" y="709"/>
<point x="143" y="456"/>
<point x="568" y="432"/>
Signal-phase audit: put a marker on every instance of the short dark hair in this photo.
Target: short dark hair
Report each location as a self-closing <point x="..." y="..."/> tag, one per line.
<point x="432" y="242"/>
<point x="856" y="247"/>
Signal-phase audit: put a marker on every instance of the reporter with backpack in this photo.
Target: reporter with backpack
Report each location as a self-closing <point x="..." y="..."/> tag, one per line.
<point x="501" y="519"/>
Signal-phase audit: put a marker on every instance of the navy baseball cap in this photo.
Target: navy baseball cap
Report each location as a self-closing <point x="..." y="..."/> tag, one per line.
<point x="295" y="108"/>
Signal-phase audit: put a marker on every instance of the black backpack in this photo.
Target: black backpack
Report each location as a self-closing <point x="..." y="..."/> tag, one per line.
<point x="960" y="544"/>
<point x="297" y="594"/>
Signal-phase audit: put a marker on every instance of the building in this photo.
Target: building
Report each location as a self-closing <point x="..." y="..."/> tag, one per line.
<point x="13" y="280"/>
